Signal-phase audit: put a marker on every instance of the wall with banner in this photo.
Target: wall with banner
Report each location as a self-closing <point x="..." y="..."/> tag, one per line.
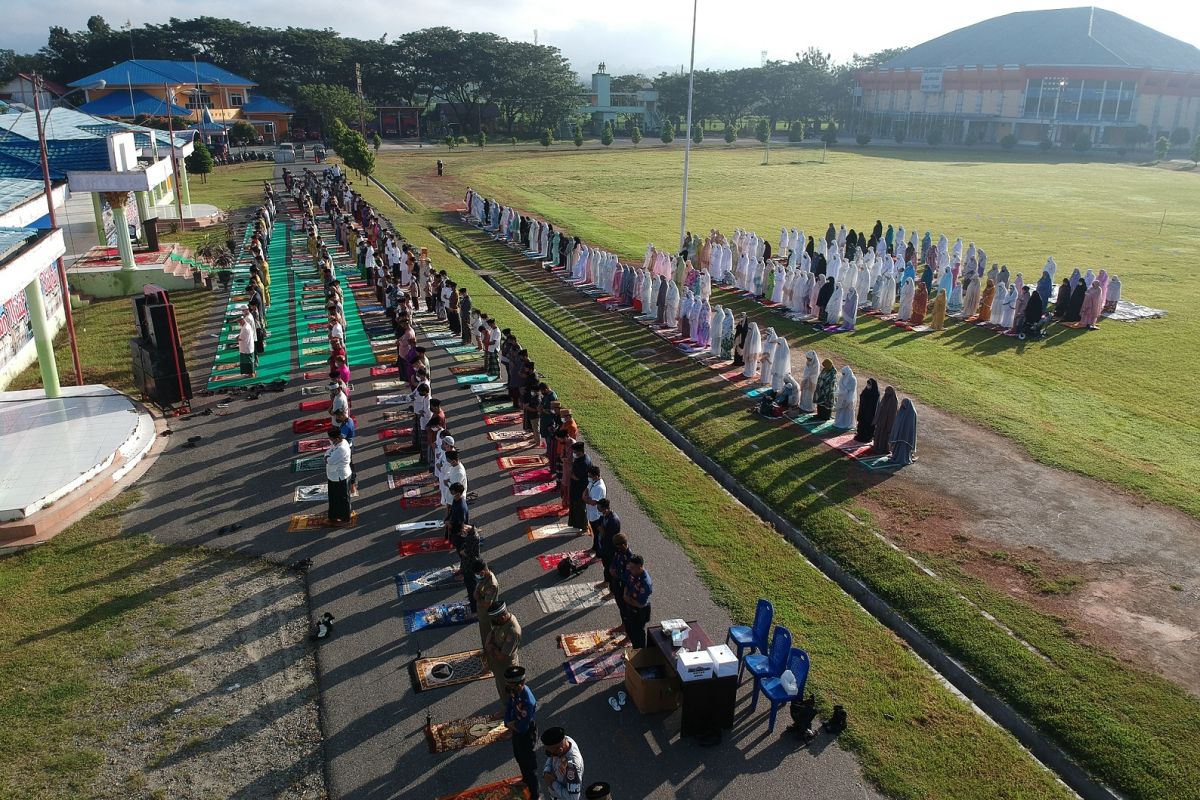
<point x="17" y="350"/>
<point x="106" y="215"/>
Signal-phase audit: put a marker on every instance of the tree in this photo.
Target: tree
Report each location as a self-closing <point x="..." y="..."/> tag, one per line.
<point x="1008" y="141"/>
<point x="668" y="132"/>
<point x="830" y="136"/>
<point x="332" y="103"/>
<point x="376" y="141"/>
<point x="200" y="162"/>
<point x="1161" y="147"/>
<point x="512" y="140"/>
<point x="1180" y="136"/>
<point x="762" y="131"/>
<point x="481" y="139"/>
<point x="730" y="134"/>
<point x="863" y="139"/>
<point x="1082" y="142"/>
<point x="547" y="137"/>
<point x="450" y="142"/>
<point x="242" y="132"/>
<point x="577" y="135"/>
<point x="635" y="135"/>
<point x="697" y="133"/>
<point x="606" y="136"/>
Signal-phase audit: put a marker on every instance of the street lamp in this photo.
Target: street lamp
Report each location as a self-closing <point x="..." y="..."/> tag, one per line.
<point x="48" y="188"/>
<point x="687" y="139"/>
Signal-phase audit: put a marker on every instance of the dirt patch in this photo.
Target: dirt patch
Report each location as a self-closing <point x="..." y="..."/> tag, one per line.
<point x="444" y="193"/>
<point x="225" y="698"/>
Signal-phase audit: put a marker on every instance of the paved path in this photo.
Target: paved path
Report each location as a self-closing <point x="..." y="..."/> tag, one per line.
<point x="372" y="719"/>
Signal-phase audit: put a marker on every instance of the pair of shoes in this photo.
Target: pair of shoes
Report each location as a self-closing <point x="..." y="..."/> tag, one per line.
<point x="618" y="702"/>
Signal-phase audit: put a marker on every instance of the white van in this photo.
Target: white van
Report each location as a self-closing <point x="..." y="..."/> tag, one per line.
<point x="286" y="153"/>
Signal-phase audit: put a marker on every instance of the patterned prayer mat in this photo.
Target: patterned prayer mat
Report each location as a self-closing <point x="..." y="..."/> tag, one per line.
<point x="478" y="378"/>
<point x="408" y="464"/>
<point x="511" y="418"/>
<point x="309" y="522"/>
<point x="545" y="510"/>
<point x="394" y="399"/>
<point x="531" y="488"/>
<point x="515" y="446"/>
<point x="522" y="462"/>
<point x="580" y="558"/>
<point x="535" y="532"/>
<point x="465" y="358"/>
<point x="317" y="493"/>
<point x="571" y="597"/>
<point x="315" y="405"/>
<point x="381" y="386"/>
<point x="412" y="581"/>
<point x="416" y="547"/>
<point x="477" y="370"/>
<point x="492" y="408"/>
<point x="396" y="416"/>
<point x="874" y="463"/>
<point x="470" y="732"/>
<point x="308" y="463"/>
<point x="1127" y="312"/>
<point x="507" y="789"/>
<point x="539" y="475"/>
<point x="411" y="479"/>
<point x="396" y="448"/>
<point x="312" y="445"/>
<point x="423" y="501"/>
<point x="596" y="667"/>
<point x="488" y="398"/>
<point x="309" y="425"/>
<point x="424" y="525"/>
<point x="393" y="433"/>
<point x="590" y="642"/>
<point x="464" y="349"/>
<point x="484" y="388"/>
<point x="512" y="436"/>
<point x="457" y="612"/>
<point x="378" y="371"/>
<point x="309" y="391"/>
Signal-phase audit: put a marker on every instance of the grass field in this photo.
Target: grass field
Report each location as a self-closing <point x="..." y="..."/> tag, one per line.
<point x="1108" y="404"/>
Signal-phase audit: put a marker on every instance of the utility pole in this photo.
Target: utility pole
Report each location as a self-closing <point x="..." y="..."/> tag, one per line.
<point x="687" y="140"/>
<point x="362" y="127"/>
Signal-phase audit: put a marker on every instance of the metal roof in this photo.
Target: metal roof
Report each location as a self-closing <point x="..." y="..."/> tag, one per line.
<point x="18" y="191"/>
<point x="119" y="104"/>
<point x="13" y="239"/>
<point x="1086" y="36"/>
<point x="156" y="72"/>
<point x="257" y="104"/>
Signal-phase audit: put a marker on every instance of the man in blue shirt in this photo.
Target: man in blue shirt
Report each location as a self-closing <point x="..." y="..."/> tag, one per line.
<point x="520" y="718"/>
<point x="638" y="588"/>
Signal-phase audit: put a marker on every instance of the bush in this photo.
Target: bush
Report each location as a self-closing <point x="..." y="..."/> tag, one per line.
<point x="730" y="134"/>
<point x="200" y="162"/>
<point x="972" y="139"/>
<point x="547" y="137"/>
<point x="463" y="140"/>
<point x="512" y="140"/>
<point x="242" y="132"/>
<point x="668" y="132"/>
<point x="1082" y="143"/>
<point x="1045" y="144"/>
<point x="481" y="139"/>
<point x="762" y="131"/>
<point x="863" y="139"/>
<point x="1139" y="134"/>
<point x="635" y="135"/>
<point x="450" y="142"/>
<point x="934" y="137"/>
<point x="1008" y="141"/>
<point x="376" y="142"/>
<point x="830" y="134"/>
<point x="697" y="134"/>
<point x="796" y="131"/>
<point x="899" y="132"/>
<point x="1161" y="147"/>
<point x="1180" y="136"/>
<point x="606" y="136"/>
<point x="577" y="135"/>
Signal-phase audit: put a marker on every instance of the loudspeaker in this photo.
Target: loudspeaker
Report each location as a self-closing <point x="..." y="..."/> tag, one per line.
<point x="150" y="228"/>
<point x="156" y="355"/>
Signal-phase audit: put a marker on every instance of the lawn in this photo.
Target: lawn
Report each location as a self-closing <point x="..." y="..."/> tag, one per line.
<point x="233" y="186"/>
<point x="1107" y="404"/>
<point x="913" y="738"/>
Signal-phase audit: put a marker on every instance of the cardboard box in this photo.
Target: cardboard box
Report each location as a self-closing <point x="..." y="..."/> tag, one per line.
<point x="659" y="692"/>
<point x="725" y="663"/>
<point x="693" y="665"/>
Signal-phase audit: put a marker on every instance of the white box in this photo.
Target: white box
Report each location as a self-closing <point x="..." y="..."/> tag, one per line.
<point x="725" y="663"/>
<point x="693" y="665"/>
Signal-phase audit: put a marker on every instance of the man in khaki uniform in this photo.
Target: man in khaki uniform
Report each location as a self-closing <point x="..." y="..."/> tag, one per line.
<point x="487" y="592"/>
<point x="503" y="644"/>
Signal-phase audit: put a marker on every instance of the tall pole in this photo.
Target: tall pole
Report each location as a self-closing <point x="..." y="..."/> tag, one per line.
<point x="687" y="138"/>
<point x="49" y="190"/>
<point x="170" y="101"/>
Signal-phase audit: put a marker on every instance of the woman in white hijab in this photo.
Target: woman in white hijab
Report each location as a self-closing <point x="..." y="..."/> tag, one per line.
<point x="752" y="351"/>
<point x="808" y="382"/>
<point x="727" y="327"/>
<point x="850" y="310"/>
<point x="833" y="309"/>
<point x="781" y="364"/>
<point x="997" y="310"/>
<point x="906" y="300"/>
<point x="714" y="331"/>
<point x="847" y="396"/>
<point x="672" y="311"/>
<point x="767" y="357"/>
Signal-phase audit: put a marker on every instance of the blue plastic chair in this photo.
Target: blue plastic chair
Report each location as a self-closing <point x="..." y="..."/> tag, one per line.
<point x="773" y="663"/>
<point x="772" y="687"/>
<point x="753" y="638"/>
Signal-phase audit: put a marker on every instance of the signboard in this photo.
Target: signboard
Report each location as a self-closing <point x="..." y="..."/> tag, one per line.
<point x="51" y="296"/>
<point x="16" y="329"/>
<point x="931" y="79"/>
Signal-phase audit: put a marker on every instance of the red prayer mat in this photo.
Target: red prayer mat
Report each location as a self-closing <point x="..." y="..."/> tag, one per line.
<point x="315" y="405"/>
<point x="507" y="789"/>
<point x="542" y="474"/>
<point x="315" y="376"/>
<point x="418" y="546"/>
<point x="318" y="326"/>
<point x="580" y="558"/>
<point x="309" y="425"/>
<point x="511" y="418"/>
<point x="394" y="433"/>
<point x="512" y="447"/>
<point x="544" y="510"/>
<point x="426" y="501"/>
<point x="312" y="445"/>
<point x="531" y="488"/>
<point x="518" y="462"/>
<point x="417" y="479"/>
<point x="308" y="522"/>
<point x="396" y="448"/>
<point x="378" y="371"/>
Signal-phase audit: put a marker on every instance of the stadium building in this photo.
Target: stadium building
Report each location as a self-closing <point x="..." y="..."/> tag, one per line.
<point x="1054" y="75"/>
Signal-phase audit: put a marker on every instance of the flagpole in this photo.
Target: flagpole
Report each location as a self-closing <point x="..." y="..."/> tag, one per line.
<point x="687" y="136"/>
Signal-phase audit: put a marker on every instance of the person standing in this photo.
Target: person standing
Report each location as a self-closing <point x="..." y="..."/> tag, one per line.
<point x="337" y="476"/>
<point x="596" y="491"/>
<point x="610" y="526"/>
<point x="464" y="314"/>
<point x="487" y="592"/>
<point x="638" y="588"/>
<point x="458" y="514"/>
<point x="346" y="425"/>
<point x="502" y="648"/>
<point x="580" y="465"/>
<point x="563" y="773"/>
<point x="247" y="338"/>
<point x="520" y="717"/>
<point x="465" y="539"/>
<point x="617" y="570"/>
<point x="452" y="473"/>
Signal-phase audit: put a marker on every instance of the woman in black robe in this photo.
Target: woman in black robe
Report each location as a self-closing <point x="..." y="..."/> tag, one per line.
<point x="739" y="340"/>
<point x="868" y="403"/>
<point x="877" y="231"/>
<point x="1075" y="309"/>
<point x="766" y="251"/>
<point x="862" y="242"/>
<point x="910" y="252"/>
<point x="823" y="296"/>
<point x="1034" y="310"/>
<point x="851" y="243"/>
<point x="1063" y="299"/>
<point x="810" y="248"/>
<point x="885" y="416"/>
<point x="819" y="264"/>
<point x="831" y="234"/>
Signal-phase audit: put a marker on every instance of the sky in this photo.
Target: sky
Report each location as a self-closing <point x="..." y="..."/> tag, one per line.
<point x="647" y="36"/>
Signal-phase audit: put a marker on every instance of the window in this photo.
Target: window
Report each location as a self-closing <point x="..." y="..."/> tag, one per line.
<point x="236" y="100"/>
<point x="198" y="100"/>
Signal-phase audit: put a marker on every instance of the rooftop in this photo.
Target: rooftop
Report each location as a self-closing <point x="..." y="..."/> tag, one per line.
<point x="1085" y="36"/>
<point x="156" y="72"/>
<point x="18" y="191"/>
<point x="13" y="239"/>
<point x="130" y="104"/>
